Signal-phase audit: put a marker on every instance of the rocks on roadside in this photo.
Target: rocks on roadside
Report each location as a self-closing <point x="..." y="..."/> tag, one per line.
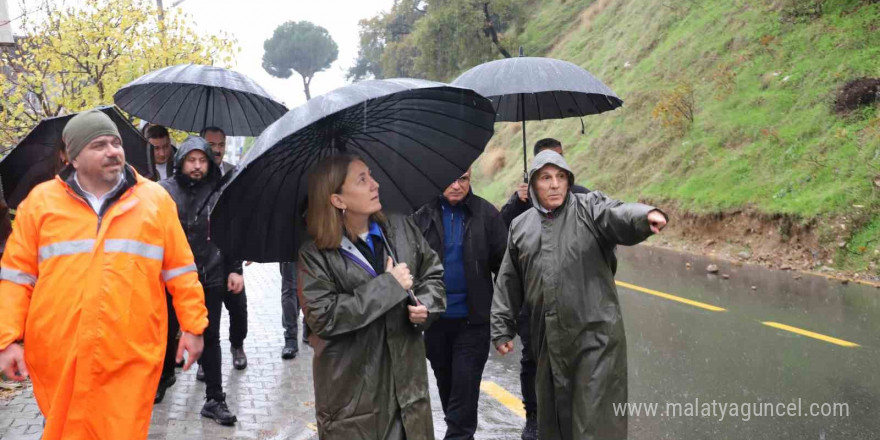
<point x="785" y="267"/>
<point x="754" y="287"/>
<point x="744" y="255"/>
<point x="725" y="276"/>
<point x="712" y="268"/>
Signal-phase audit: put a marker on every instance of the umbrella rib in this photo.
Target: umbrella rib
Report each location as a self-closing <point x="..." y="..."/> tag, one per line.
<point x="538" y="105"/>
<point x="301" y="161"/>
<point x="411" y="139"/>
<point x="256" y="104"/>
<point x="497" y="107"/>
<point x="576" y="104"/>
<point x="196" y="112"/>
<point x="404" y="157"/>
<point x="166" y="104"/>
<point x="396" y="106"/>
<point x="150" y="88"/>
<point x="285" y="169"/>
<point x="556" y="100"/>
<point x="379" y="164"/>
<point x="244" y="113"/>
<point x="415" y="122"/>
<point x="598" y="109"/>
<point x="185" y="99"/>
<point x="450" y="116"/>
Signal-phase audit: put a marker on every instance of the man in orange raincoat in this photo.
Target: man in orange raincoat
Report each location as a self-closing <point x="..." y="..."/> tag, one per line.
<point x="82" y="284"/>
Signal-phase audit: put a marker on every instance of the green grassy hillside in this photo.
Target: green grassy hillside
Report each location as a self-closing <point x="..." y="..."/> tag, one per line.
<point x="763" y="77"/>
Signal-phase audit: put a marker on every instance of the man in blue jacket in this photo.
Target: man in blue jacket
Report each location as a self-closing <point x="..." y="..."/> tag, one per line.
<point x="469" y="235"/>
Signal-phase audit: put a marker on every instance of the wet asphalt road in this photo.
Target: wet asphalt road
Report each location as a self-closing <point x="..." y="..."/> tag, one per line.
<point x="678" y="353"/>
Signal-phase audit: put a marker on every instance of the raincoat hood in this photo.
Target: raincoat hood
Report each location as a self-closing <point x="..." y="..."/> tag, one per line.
<point x="193" y="143"/>
<point x="542" y="159"/>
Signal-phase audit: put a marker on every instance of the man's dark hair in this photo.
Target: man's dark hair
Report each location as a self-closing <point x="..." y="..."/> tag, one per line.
<point x="207" y="130"/>
<point x="546" y="144"/>
<point x="157" y="132"/>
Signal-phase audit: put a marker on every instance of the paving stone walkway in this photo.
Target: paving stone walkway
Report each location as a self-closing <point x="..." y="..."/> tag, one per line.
<point x="272" y="398"/>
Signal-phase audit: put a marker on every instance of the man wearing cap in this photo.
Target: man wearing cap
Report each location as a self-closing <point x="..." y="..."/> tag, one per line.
<point x="560" y="265"/>
<point x="82" y="286"/>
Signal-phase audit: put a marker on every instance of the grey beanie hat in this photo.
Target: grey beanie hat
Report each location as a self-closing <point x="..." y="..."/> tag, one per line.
<point x="83" y="128"/>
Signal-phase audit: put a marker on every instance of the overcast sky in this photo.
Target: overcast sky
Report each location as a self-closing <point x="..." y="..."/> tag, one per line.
<point x="253" y="21"/>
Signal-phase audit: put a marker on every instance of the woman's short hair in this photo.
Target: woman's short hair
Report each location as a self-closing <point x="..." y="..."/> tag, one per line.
<point x="324" y="221"/>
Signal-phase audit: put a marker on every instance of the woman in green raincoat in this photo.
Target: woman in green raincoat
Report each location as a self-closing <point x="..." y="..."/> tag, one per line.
<point x="369" y="286"/>
<point x="560" y="263"/>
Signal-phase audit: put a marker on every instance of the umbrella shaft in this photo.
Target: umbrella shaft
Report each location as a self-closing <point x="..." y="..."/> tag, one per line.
<point x="525" y="149"/>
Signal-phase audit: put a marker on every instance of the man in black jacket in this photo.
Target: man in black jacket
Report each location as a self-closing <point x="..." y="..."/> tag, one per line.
<point x="519" y="203"/>
<point x="470" y="237"/>
<point x="191" y="187"/>
<point x="236" y="304"/>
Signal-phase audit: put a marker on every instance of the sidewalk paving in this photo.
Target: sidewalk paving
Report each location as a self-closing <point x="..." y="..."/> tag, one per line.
<point x="272" y="398"/>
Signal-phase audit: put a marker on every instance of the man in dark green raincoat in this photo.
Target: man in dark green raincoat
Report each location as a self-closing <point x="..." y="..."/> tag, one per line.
<point x="560" y="264"/>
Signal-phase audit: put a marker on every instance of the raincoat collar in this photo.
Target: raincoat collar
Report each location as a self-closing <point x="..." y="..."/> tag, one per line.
<point x="130" y="180"/>
<point x="544" y="158"/>
<point x="348" y="249"/>
<point x="98" y="202"/>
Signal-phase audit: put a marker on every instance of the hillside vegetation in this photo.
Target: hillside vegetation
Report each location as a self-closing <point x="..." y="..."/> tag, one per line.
<point x="729" y="105"/>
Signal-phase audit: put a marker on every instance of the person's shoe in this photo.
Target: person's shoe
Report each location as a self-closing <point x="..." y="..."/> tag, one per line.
<point x="289" y="351"/>
<point x="180" y="364"/>
<point x="239" y="360"/>
<point x="164" y="384"/>
<point x="530" y="431"/>
<point x="215" y="408"/>
<point x="200" y="374"/>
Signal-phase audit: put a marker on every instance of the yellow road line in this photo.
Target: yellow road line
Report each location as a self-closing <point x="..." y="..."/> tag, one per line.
<point x="504" y="397"/>
<point x="810" y="334"/>
<point x="690" y="302"/>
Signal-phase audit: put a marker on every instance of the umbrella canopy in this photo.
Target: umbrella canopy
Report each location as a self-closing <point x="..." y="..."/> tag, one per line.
<point x="535" y="89"/>
<point x="190" y="97"/>
<point x="416" y="136"/>
<point x="36" y="158"/>
<point x="545" y="88"/>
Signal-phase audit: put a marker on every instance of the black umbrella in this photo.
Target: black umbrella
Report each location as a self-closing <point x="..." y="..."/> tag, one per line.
<point x="36" y="158"/>
<point x="416" y="136"/>
<point x="535" y="89"/>
<point x="190" y="97"/>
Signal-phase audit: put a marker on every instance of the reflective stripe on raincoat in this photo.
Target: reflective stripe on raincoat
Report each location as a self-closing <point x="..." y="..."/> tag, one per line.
<point x="87" y="296"/>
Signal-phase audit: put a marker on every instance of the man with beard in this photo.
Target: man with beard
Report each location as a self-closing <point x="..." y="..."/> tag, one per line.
<point x="83" y="283"/>
<point x="192" y="189"/>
